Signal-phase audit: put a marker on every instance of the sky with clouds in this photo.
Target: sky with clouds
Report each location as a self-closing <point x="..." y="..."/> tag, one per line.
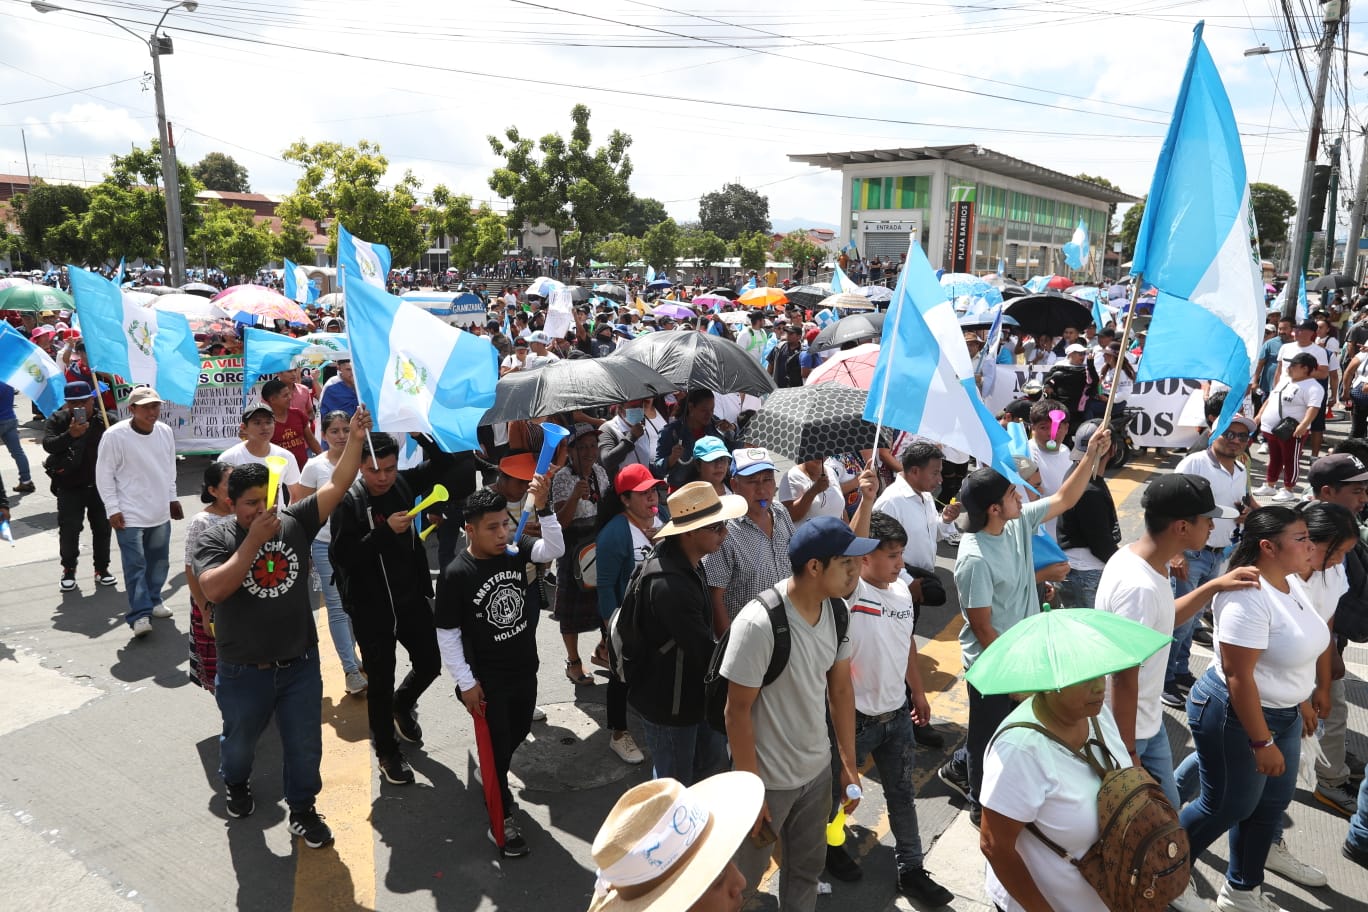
<point x="710" y="92"/>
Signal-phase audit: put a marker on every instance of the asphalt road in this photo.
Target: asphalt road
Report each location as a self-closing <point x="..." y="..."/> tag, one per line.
<point x="111" y="801"/>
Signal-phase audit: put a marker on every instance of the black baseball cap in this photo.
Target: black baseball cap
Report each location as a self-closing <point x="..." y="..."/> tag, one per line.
<point x="981" y="489"/>
<point x="1335" y="469"/>
<point x="1178" y="496"/>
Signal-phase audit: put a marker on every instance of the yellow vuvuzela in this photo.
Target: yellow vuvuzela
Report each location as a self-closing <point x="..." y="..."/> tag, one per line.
<point x="438" y="495"/>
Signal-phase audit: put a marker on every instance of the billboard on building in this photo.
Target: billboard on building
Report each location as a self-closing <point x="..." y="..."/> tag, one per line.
<point x="962" y="228"/>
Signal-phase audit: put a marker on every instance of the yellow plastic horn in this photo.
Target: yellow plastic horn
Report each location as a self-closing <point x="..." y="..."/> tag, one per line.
<point x="438" y="495"/>
<point x="275" y="465"/>
<point x="422" y="536"/>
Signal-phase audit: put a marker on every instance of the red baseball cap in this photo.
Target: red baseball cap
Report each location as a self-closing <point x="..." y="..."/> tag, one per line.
<point x="635" y="477"/>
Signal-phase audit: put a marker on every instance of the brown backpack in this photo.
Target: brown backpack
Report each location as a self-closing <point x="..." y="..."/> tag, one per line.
<point x="1141" y="861"/>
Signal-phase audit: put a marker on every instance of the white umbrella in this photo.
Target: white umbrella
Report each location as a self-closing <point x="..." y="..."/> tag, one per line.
<point x="191" y="306"/>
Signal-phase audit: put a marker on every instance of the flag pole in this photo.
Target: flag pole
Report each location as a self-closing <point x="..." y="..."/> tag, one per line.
<point x="346" y="326"/>
<point x="1121" y="356"/>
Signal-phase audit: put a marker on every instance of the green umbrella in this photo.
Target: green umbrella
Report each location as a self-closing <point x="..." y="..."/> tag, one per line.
<point x="1055" y="649"/>
<point x="35" y="298"/>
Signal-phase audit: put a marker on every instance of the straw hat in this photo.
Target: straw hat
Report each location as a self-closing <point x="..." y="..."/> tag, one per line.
<point x="663" y="845"/>
<point x="697" y="505"/>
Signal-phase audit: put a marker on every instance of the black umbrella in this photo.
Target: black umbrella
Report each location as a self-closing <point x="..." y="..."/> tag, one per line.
<point x="814" y="422"/>
<point x="695" y="360"/>
<point x="1012" y="290"/>
<point x="201" y="289"/>
<point x="1049" y="312"/>
<point x="860" y="327"/>
<point x="808" y="295"/>
<point x="579" y="294"/>
<point x="612" y="290"/>
<point x="1333" y="282"/>
<point x="724" y="292"/>
<point x="575" y="384"/>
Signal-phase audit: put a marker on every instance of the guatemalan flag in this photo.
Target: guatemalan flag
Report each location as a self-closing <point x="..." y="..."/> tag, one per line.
<point x="923" y="357"/>
<point x="1076" y="252"/>
<point x="362" y="259"/>
<point x="840" y="282"/>
<point x="265" y="352"/>
<point x="1198" y="244"/>
<point x="298" y="288"/>
<point x="30" y="370"/>
<point x="416" y="373"/>
<point x="140" y="344"/>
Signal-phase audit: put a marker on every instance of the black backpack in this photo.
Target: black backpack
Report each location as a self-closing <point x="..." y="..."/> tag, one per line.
<point x="626" y="646"/>
<point x="715" y="686"/>
<point x="1351" y="614"/>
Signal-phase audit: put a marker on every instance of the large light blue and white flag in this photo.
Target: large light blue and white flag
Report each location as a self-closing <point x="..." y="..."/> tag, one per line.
<point x="988" y="357"/>
<point x="298" y="288"/>
<point x="416" y="373"/>
<point x="1198" y="244"/>
<point x="840" y="282"/>
<point x="1076" y="252"/>
<point x="1038" y="284"/>
<point x="266" y="352"/>
<point x="30" y="370"/>
<point x="923" y="356"/>
<point x="362" y="259"/>
<point x="140" y="344"/>
<point x="1303" y="308"/>
<point x="650" y="274"/>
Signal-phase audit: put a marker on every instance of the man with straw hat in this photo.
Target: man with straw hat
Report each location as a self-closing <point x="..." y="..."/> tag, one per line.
<point x="668" y="849"/>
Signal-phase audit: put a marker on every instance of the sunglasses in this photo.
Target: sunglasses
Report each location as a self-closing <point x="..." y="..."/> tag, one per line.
<point x="1238" y="436"/>
<point x="718" y="527"/>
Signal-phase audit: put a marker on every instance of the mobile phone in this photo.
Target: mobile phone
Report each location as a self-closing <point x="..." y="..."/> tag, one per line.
<point x="766" y="836"/>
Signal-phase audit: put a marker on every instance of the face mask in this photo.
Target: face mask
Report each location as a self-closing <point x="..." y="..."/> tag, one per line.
<point x="634" y="415"/>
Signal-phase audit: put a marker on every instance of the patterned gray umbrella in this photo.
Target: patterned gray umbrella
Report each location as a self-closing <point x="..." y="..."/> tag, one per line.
<point x="579" y="383"/>
<point x="814" y="422"/>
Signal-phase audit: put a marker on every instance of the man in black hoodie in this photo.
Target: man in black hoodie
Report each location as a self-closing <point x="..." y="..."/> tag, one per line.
<point x="674" y="616"/>
<point x="72" y="440"/>
<point x="381" y="570"/>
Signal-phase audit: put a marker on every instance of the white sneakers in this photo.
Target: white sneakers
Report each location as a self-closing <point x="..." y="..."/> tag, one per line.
<point x="160" y="610"/>
<point x="1281" y="861"/>
<point x="1232" y="900"/>
<point x="142" y="627"/>
<point x="1264" y="490"/>
<point x="625" y="747"/>
<point x="1190" y="901"/>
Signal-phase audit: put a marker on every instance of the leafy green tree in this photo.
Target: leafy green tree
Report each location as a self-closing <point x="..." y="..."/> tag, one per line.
<point x="1130" y="228"/>
<point x="218" y="171"/>
<point x="565" y="185"/>
<point x="127" y="214"/>
<point x="449" y="216"/>
<point x="230" y="238"/>
<point x="660" y="246"/>
<point x="642" y="213"/>
<point x="734" y="211"/>
<point x="292" y="243"/>
<point x="491" y="236"/>
<point x="344" y="183"/>
<point x="799" y="249"/>
<point x="619" y="249"/>
<point x="703" y="246"/>
<point x="49" y="217"/>
<point x="753" y="249"/>
<point x="11" y="244"/>
<point x="1272" y="206"/>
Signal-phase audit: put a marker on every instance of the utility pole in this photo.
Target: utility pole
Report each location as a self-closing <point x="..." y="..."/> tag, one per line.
<point x="1351" y="254"/>
<point x="1331" y="211"/>
<point x="1301" y="231"/>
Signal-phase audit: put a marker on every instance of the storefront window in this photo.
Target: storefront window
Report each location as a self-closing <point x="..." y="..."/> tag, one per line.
<point x="890" y="192"/>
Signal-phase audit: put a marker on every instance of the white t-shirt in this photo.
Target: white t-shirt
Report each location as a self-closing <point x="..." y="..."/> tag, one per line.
<point x="1032" y="779"/>
<point x="1291" y="400"/>
<point x="239" y="455"/>
<point x="1326" y="587"/>
<point x="880" y="642"/>
<point x="1054" y="466"/>
<point x="831" y="502"/>
<point x="920" y="519"/>
<point x="1288" y="630"/>
<point x="1131" y="588"/>
<point x="317" y="472"/>
<point x="533" y="361"/>
<point x="789" y="713"/>
<point x="1332" y="350"/>
<point x="1292" y="349"/>
<point x="1227" y="489"/>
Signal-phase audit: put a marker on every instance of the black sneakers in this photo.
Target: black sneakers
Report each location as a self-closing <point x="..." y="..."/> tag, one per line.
<point x="917" y="885"/>
<point x="841" y="866"/>
<point x="514" y="845"/>
<point x="309" y="824"/>
<point x="68" y="579"/>
<point x="407" y="727"/>
<point x="396" y="769"/>
<point x="955" y="775"/>
<point x="240" y="802"/>
<point x="927" y="736"/>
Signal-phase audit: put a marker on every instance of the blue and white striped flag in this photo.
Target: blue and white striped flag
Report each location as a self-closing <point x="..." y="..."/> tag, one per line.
<point x="266" y="352"/>
<point x="923" y="356"/>
<point x="298" y="288"/>
<point x="362" y="259"/>
<point x="416" y="373"/>
<point x="1303" y="308"/>
<point x="1076" y="252"/>
<point x="30" y="370"/>
<point x="140" y="344"/>
<point x="840" y="282"/>
<point x="1198" y="244"/>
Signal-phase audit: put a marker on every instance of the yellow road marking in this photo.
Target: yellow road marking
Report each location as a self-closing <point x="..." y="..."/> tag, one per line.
<point x="342" y="876"/>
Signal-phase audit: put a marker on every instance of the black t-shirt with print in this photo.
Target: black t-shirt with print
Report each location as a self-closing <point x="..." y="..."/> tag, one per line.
<point x="487" y="599"/>
<point x="270" y="617"/>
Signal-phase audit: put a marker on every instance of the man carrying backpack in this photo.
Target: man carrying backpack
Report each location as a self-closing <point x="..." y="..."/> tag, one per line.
<point x="665" y="624"/>
<point x="771" y="726"/>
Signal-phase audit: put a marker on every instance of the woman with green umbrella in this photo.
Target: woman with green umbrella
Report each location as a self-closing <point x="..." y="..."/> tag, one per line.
<point x="1030" y="779"/>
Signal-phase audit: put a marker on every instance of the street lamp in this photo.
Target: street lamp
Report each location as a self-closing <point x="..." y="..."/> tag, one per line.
<point x="158" y="46"/>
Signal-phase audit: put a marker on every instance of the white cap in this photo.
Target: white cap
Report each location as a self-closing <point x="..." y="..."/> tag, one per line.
<point x="1075" y="347"/>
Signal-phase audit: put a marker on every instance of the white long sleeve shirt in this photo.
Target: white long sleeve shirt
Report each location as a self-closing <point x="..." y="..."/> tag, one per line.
<point x="919" y="517"/>
<point x="136" y="474"/>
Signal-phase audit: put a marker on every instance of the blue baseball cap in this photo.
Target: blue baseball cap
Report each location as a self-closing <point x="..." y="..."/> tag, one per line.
<point x="826" y="536"/>
<point x="710" y="448"/>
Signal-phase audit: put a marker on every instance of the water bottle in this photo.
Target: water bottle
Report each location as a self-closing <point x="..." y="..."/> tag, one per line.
<point x="835" y="831"/>
<point x="1320" y="729"/>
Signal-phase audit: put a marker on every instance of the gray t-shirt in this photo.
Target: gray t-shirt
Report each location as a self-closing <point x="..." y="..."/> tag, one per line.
<point x="789" y="715"/>
<point x="998" y="571"/>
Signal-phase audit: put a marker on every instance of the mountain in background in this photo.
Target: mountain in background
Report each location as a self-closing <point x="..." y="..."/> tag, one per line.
<point x="785" y="225"/>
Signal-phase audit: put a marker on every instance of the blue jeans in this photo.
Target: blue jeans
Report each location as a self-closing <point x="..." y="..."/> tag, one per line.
<point x="1358" y="824"/>
<point x="339" y="625"/>
<point x="1236" y="799"/>
<point x="894" y="750"/>
<point x="1156" y="756"/>
<point x="1203" y="566"/>
<point x="689" y="753"/>
<point x="1079" y="589"/>
<point x="248" y="697"/>
<point x="145" y="554"/>
<point x="9" y="432"/>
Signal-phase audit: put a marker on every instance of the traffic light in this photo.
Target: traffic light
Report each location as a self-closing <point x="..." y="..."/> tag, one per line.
<point x="1320" y="186"/>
